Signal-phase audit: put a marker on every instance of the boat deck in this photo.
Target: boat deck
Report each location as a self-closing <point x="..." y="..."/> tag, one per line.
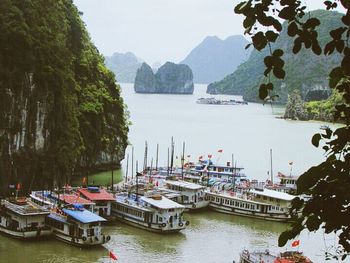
<point x="27" y="209"/>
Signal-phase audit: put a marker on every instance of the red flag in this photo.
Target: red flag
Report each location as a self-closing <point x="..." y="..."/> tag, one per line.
<point x="209" y="156"/>
<point x="295" y="243"/>
<point x="157" y="183"/>
<point x="18" y="186"/>
<point x="220" y="151"/>
<point x="84" y="180"/>
<point x="200" y="157"/>
<point x="112" y="255"/>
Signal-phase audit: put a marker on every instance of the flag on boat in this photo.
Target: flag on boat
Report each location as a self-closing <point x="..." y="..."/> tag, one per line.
<point x="18" y="186"/>
<point x="279" y="174"/>
<point x="112" y="255"/>
<point x="84" y="180"/>
<point x="200" y="157"/>
<point x="210" y="155"/>
<point x="220" y="150"/>
<point x="291" y="163"/>
<point x="296" y="243"/>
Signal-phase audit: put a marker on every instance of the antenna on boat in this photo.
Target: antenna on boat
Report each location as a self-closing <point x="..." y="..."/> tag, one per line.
<point x="150" y="171"/>
<point x="132" y="162"/>
<point x="183" y="160"/>
<point x="137" y="180"/>
<point x="157" y="156"/>
<point x="271" y="166"/>
<point x="127" y="167"/>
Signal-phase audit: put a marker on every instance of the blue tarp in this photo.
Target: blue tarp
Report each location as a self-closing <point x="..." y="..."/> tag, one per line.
<point x="83" y="216"/>
<point x="57" y="218"/>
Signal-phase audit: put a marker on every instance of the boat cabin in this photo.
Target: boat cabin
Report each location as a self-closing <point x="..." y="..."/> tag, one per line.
<point x="102" y="199"/>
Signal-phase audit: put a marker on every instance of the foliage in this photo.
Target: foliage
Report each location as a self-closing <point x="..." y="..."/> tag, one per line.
<point x="328" y="183"/>
<point x="49" y="67"/>
<point x="249" y="75"/>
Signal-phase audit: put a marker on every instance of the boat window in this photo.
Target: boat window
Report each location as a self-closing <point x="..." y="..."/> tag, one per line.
<point x="264" y="197"/>
<point x="237" y="203"/>
<point x="160" y="219"/>
<point x="231" y="202"/>
<point x="257" y="206"/>
<point x="271" y="199"/>
<point x="253" y="207"/>
<point x="242" y="205"/>
<point x="90" y="232"/>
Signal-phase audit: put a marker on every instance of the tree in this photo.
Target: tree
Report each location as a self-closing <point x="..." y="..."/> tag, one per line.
<point x="328" y="183"/>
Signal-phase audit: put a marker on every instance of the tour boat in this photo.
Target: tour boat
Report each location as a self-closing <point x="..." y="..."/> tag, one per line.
<point x="257" y="203"/>
<point x="77" y="226"/>
<point x="191" y="195"/>
<point x="266" y="257"/>
<point x="155" y="213"/>
<point x="22" y="219"/>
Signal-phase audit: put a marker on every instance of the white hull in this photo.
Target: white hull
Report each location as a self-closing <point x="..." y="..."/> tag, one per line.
<point x="90" y="241"/>
<point x="236" y="211"/>
<point x="26" y="234"/>
<point x="158" y="228"/>
<point x="196" y="206"/>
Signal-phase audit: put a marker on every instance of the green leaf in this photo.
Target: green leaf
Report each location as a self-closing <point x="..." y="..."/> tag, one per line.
<point x="312" y="23"/>
<point x="278" y="53"/>
<point x="279" y="73"/>
<point x="263" y="93"/>
<point x="271" y="36"/>
<point x="316" y="139"/>
<point x="292" y="29"/>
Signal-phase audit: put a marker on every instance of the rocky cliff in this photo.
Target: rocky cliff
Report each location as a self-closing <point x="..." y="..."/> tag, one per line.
<point x="304" y="71"/>
<point x="61" y="112"/>
<point x="215" y="58"/>
<point x="170" y="78"/>
<point x="124" y="66"/>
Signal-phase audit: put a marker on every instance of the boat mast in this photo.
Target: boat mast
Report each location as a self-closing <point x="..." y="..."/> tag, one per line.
<point x="172" y="155"/>
<point x="145" y="157"/>
<point x="271" y="166"/>
<point x="137" y="180"/>
<point x="127" y="168"/>
<point x="183" y="160"/>
<point x="233" y="173"/>
<point x="132" y="162"/>
<point x="168" y="163"/>
<point x="157" y="156"/>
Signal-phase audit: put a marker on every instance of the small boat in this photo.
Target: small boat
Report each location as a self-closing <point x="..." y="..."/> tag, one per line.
<point x="266" y="257"/>
<point x="22" y="219"/>
<point x="77" y="226"/>
<point x="214" y="101"/>
<point x="154" y="213"/>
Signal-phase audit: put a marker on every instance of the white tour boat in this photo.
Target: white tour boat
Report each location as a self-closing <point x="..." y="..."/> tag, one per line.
<point x="155" y="213"/>
<point x="257" y="203"/>
<point x="22" y="219"/>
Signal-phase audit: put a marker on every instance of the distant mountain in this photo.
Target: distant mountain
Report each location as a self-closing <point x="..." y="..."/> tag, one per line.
<point x="170" y="78"/>
<point x="305" y="71"/>
<point x="214" y="58"/>
<point x="124" y="66"/>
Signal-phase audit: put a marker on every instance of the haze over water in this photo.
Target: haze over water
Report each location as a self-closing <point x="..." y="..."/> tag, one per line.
<point x="246" y="131"/>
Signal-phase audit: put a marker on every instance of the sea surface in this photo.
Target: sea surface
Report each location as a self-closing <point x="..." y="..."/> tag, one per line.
<point x="247" y="132"/>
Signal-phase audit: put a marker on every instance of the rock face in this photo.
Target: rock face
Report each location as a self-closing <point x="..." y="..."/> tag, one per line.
<point x="295" y="108"/>
<point x="124" y="66"/>
<point x="305" y="71"/>
<point x="215" y="58"/>
<point x="170" y="78"/>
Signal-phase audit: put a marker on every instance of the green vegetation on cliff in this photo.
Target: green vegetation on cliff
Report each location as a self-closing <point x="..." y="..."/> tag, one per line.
<point x="60" y="109"/>
<point x="305" y="71"/>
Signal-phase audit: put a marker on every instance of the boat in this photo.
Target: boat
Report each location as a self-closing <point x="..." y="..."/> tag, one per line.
<point x="256" y="203"/>
<point x="151" y="212"/>
<point x="214" y="101"/>
<point x="77" y="226"/>
<point x="266" y="257"/>
<point x="192" y="196"/>
<point x="22" y="219"/>
<point x="102" y="199"/>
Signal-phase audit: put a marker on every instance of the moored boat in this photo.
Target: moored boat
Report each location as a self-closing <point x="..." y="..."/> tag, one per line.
<point x="266" y="257"/>
<point x="257" y="203"/>
<point x="154" y="213"/>
<point x="22" y="219"/>
<point x="77" y="226"/>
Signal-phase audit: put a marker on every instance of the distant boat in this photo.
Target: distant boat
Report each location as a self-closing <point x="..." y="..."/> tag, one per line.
<point x="265" y="256"/>
<point x="22" y="219"/>
<point x="214" y="101"/>
<point x="154" y="213"/>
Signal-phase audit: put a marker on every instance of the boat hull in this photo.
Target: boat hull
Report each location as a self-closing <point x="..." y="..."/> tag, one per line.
<point x="196" y="206"/>
<point x="156" y="228"/>
<point x="26" y="234"/>
<point x="263" y="216"/>
<point x="79" y="242"/>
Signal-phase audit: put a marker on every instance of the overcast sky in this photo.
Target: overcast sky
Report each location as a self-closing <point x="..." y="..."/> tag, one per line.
<point x="160" y="30"/>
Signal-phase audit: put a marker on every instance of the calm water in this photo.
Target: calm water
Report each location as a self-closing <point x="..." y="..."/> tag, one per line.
<point x="248" y="132"/>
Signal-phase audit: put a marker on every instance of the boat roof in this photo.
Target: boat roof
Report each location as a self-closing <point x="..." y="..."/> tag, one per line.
<point x="57" y="217"/>
<point x="225" y="194"/>
<point x="28" y="209"/>
<point x="163" y="203"/>
<point x="84" y="216"/>
<point x="75" y="199"/>
<point x="100" y="195"/>
<point x="184" y="184"/>
<point x="273" y="194"/>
